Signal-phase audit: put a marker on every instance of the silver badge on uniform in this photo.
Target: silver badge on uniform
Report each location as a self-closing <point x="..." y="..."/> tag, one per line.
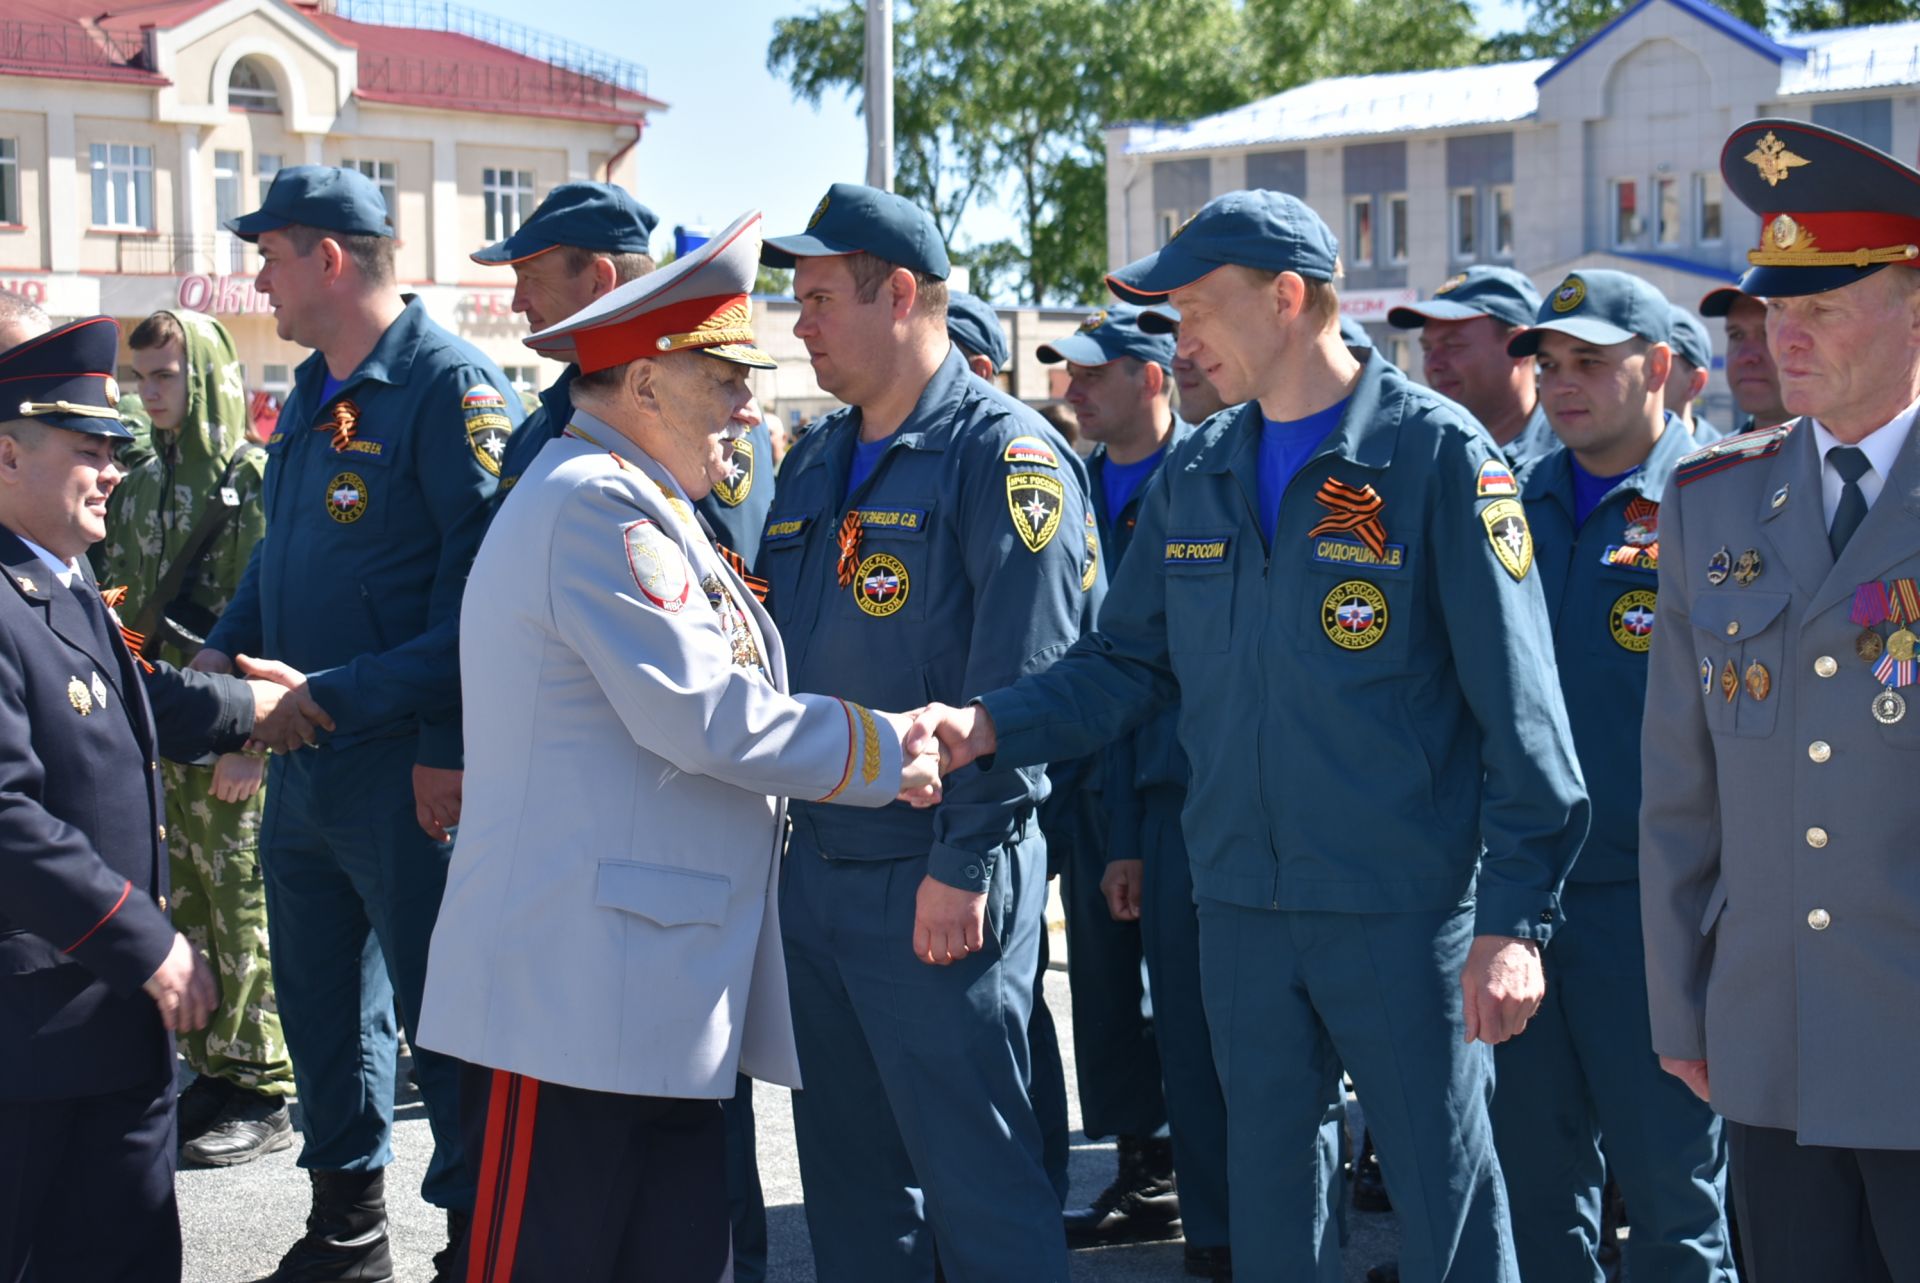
<point x="99" y="691"/>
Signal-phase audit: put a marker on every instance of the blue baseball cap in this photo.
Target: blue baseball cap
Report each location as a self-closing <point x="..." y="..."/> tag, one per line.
<point x="852" y="219"/>
<point x="1602" y="308"/>
<point x="1718" y="303"/>
<point x="1107" y="336"/>
<point x="1161" y="318"/>
<point x="64" y="378"/>
<point x="1267" y="231"/>
<point x="1499" y="292"/>
<point x="1690" y="339"/>
<point x="333" y="200"/>
<point x="1832" y="209"/>
<point x="590" y="216"/>
<point x="973" y="326"/>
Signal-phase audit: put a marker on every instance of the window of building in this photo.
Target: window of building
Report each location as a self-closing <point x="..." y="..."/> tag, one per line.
<point x="1624" y="225"/>
<point x="122" y="185"/>
<point x="275" y="378"/>
<point x="382" y="174"/>
<point x="1503" y="221"/>
<point x="1397" y="230"/>
<point x="1360" y="231"/>
<point x="1670" y="225"/>
<point x="1466" y="224"/>
<point x="251" y="87"/>
<point x="1707" y="194"/>
<point x="509" y="199"/>
<point x="265" y="165"/>
<point x="229" y="167"/>
<point x="10" y="181"/>
<point x="1170" y="220"/>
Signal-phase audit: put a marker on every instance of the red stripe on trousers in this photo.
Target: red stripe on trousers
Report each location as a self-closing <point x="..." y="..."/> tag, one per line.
<point x="504" y="1162"/>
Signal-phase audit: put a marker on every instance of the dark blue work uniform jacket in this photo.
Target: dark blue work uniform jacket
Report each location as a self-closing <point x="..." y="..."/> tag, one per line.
<point x="357" y="581"/>
<point x="1599" y="586"/>
<point x="548" y="420"/>
<point x="973" y="607"/>
<point x="1360" y="728"/>
<point x="83" y="850"/>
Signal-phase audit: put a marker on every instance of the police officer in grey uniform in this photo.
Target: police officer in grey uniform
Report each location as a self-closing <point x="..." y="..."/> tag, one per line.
<point x="1464" y="331"/>
<point x="1580" y="1093"/>
<point x="1777" y="870"/>
<point x="1384" y="798"/>
<point x="928" y="541"/>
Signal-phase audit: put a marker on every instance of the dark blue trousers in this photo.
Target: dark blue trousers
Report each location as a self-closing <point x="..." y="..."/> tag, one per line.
<point x="1583" y="1080"/>
<point x="353" y="889"/>
<point x="1291" y="996"/>
<point x="1115" y="1059"/>
<point x="1196" y="1109"/>
<point x="86" y="1188"/>
<point x="746" y="1204"/>
<point x="915" y="1113"/>
<point x="1047" y="1080"/>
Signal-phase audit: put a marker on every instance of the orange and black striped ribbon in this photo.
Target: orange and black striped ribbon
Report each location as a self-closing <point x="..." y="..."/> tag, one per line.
<point x="344" y="416"/>
<point x="1355" y="512"/>
<point x="849" y="539"/>
<point x="1643" y="511"/>
<point x="755" y="585"/>
<point x="135" y="642"/>
<point x="494" y="1238"/>
<point x="1903" y="602"/>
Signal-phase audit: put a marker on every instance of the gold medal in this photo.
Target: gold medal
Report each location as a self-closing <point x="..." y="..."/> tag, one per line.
<point x="1867" y="645"/>
<point x="1747" y="568"/>
<point x="1729" y="681"/>
<point x="1759" y="680"/>
<point x="1901" y="644"/>
<point x="1889" y="707"/>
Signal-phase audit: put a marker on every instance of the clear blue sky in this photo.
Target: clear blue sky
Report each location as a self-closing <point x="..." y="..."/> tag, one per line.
<point x="734" y="138"/>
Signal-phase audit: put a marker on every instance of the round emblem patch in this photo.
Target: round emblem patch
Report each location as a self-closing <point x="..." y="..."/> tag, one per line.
<point x="1354" y="615"/>
<point x="1571" y="294"/>
<point x="1631" y="621"/>
<point x="347" y="498"/>
<point x="1094" y="321"/>
<point x="880" y="585"/>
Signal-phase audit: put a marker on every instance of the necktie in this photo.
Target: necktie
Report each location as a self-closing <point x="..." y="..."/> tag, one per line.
<point x="1851" y="463"/>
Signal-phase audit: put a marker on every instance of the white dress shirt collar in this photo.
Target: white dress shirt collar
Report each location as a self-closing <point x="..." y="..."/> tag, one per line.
<point x="1882" y="447"/>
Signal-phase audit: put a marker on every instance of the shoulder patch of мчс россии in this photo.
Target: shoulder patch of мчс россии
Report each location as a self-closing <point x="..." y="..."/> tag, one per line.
<point x="1731" y="451"/>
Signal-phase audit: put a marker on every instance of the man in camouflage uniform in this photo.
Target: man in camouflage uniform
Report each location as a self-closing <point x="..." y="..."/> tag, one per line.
<point x="206" y="471"/>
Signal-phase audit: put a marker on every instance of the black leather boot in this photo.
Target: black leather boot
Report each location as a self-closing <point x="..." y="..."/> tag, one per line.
<point x="1139" y="1207"/>
<point x="346" y="1238"/>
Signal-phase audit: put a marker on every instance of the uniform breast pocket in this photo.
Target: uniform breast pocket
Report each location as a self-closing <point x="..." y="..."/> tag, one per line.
<point x="1617" y="619"/>
<point x="1359" y="616"/>
<point x="780" y="548"/>
<point x="360" y="490"/>
<point x="1199" y="592"/>
<point x="891" y="577"/>
<point x="1741" y="637"/>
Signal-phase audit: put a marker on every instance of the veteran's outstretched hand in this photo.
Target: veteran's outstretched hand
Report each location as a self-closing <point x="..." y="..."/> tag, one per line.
<point x="963" y="734"/>
<point x="920" y="767"/>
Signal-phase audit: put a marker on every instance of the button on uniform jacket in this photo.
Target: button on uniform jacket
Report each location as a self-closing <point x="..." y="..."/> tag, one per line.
<point x="83" y="858"/>
<point x="610" y="919"/>
<point x="1764" y="816"/>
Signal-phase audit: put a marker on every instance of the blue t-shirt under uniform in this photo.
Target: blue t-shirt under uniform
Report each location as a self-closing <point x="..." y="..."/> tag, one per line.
<point x="1121" y="481"/>
<point x="866" y="457"/>
<point x="1589" y="490"/>
<point x="1285" y="448"/>
<point x="331" y="389"/>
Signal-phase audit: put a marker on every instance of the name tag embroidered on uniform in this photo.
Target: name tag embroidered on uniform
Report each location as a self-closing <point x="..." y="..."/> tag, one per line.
<point x="908" y="519"/>
<point x="1630" y="558"/>
<point x="785" y="529"/>
<point x="1031" y="450"/>
<point x="1335" y="551"/>
<point x="365" y="445"/>
<point x="1201" y="551"/>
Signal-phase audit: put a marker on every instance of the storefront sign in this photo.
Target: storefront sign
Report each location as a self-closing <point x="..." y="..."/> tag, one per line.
<point x="222" y="296"/>
<point x="31" y="288"/>
<point x="1373" y="305"/>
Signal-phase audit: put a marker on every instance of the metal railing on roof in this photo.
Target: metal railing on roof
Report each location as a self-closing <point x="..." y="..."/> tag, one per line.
<point x="68" y="44"/>
<point x="436" y="15"/>
<point x="467" y="84"/>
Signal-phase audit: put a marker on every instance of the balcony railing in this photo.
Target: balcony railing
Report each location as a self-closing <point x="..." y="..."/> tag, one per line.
<point x="434" y="15"/>
<point x="69" y="45"/>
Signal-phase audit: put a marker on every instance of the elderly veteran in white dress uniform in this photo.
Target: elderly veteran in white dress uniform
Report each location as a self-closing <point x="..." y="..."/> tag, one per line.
<point x="608" y="951"/>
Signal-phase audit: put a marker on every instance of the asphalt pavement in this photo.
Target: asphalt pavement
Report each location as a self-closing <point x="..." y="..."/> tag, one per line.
<point x="237" y="1221"/>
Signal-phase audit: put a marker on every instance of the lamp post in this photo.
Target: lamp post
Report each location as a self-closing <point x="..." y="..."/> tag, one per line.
<point x="879" y="94"/>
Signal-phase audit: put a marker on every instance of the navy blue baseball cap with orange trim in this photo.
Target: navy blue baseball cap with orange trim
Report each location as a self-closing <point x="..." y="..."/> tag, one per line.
<point x="853" y="219"/>
<point x="1832" y="209"/>
<point x="1267" y="231"/>
<point x="1600" y="307"/>
<point x="974" y="326"/>
<point x="1108" y="335"/>
<point x="322" y="196"/>
<point x="590" y="216"/>
<point x="64" y="379"/>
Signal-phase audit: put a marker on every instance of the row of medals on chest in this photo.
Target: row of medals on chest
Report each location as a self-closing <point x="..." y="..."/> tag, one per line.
<point x="1891" y="656"/>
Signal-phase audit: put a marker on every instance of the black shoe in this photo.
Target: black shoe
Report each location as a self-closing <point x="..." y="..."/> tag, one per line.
<point x="447" y="1259"/>
<point x="1210" y="1262"/>
<point x="1139" y="1207"/>
<point x="1369" y="1189"/>
<point x="346" y="1238"/>
<point x="1385" y="1272"/>
<point x="201" y="1104"/>
<point x="250" y="1125"/>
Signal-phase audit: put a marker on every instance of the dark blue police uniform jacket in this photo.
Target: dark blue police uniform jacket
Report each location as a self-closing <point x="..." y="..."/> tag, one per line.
<point x="547" y="421"/>
<point x="737" y="507"/>
<point x="949" y="597"/>
<point x="1599" y="581"/>
<point x="83" y="856"/>
<point x="357" y="582"/>
<point x="1360" y="727"/>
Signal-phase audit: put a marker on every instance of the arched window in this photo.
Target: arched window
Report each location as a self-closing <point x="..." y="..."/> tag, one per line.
<point x="251" y="87"/>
